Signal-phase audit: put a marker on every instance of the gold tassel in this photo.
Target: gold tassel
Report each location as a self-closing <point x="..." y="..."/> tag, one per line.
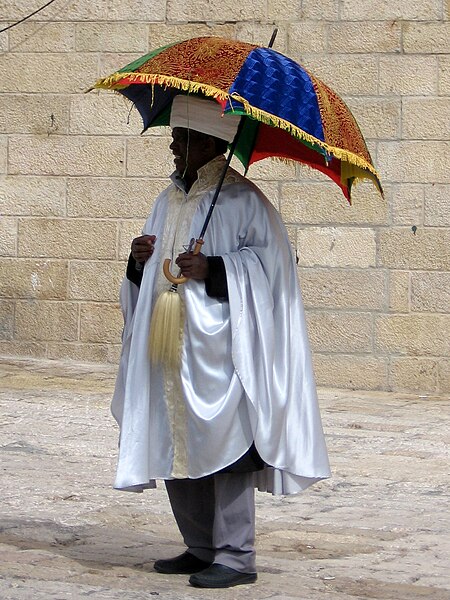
<point x="164" y="342"/>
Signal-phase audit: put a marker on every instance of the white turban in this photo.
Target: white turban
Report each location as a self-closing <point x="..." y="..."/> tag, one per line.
<point x="203" y="115"/>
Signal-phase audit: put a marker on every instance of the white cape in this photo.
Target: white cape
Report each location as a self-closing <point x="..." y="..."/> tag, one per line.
<point x="246" y="371"/>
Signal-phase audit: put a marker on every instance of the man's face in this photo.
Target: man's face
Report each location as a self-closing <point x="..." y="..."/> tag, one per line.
<point x="191" y="150"/>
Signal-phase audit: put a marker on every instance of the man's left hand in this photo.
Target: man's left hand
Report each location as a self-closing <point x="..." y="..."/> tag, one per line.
<point x="194" y="266"/>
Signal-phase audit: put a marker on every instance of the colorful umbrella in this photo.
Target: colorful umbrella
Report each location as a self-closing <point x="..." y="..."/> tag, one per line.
<point x="291" y="114"/>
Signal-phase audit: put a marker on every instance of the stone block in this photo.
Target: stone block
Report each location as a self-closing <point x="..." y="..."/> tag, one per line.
<point x="437" y="211"/>
<point x="414" y="334"/>
<point x="161" y="35"/>
<point x="133" y="10"/>
<point x="82" y="11"/>
<point x="128" y="230"/>
<point x="350" y="371"/>
<point x="112" y="37"/>
<point x="306" y="37"/>
<point x="8" y="236"/>
<point x="3" y="154"/>
<point x="4" y="38"/>
<point x="408" y="75"/>
<point x="271" y="190"/>
<point x="67" y="238"/>
<point x="149" y="157"/>
<point x="38" y="279"/>
<point x="110" y="62"/>
<point x="430" y="292"/>
<point x="34" y="113"/>
<point x="282" y="11"/>
<point x="270" y="170"/>
<point x="63" y="72"/>
<point x="367" y="37"/>
<point x="215" y="10"/>
<point x="444" y="75"/>
<point x="324" y="203"/>
<point x="425" y="118"/>
<point x="384" y="10"/>
<point x="444" y="376"/>
<point x="347" y="74"/>
<point x="292" y="235"/>
<point x="79" y="352"/>
<point x="21" y="9"/>
<point x="39" y="321"/>
<point x="95" y="281"/>
<point x="427" y="249"/>
<point x="343" y="288"/>
<point x="399" y="291"/>
<point x="413" y="375"/>
<point x="114" y="351"/>
<point x="119" y="198"/>
<point x="378" y="118"/>
<point x="75" y="11"/>
<point x="414" y="161"/>
<point x="327" y="10"/>
<point x="426" y="38"/>
<point x="340" y="332"/>
<point x="104" y="113"/>
<point x="6" y="318"/>
<point x="101" y="323"/>
<point x="261" y="34"/>
<point x="407" y="204"/>
<point x="336" y="247"/>
<point x="45" y="196"/>
<point x="65" y="155"/>
<point x="42" y="37"/>
<point x="15" y="348"/>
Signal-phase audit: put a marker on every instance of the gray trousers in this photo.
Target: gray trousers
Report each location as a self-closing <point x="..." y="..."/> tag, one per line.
<point x="216" y="517"/>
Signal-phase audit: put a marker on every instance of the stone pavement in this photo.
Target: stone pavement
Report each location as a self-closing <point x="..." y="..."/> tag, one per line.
<point x="379" y="528"/>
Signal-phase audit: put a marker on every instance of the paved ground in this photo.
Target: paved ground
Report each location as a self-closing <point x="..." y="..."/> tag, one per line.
<point x="378" y="529"/>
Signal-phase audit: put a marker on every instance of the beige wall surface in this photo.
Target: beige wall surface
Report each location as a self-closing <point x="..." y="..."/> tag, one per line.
<point x="77" y="180"/>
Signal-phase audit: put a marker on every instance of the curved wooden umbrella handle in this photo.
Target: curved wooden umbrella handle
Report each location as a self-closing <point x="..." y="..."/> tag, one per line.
<point x="167" y="261"/>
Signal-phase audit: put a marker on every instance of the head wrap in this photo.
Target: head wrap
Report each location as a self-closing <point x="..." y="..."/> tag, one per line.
<point x="203" y="115"/>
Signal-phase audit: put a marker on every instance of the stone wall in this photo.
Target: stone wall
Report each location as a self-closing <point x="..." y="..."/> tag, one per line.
<point x="76" y="180"/>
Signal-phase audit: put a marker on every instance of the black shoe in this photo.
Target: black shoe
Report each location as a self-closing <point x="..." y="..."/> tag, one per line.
<point x="220" y="576"/>
<point x="184" y="564"/>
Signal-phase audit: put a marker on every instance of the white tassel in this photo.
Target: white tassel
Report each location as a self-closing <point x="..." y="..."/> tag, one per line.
<point x="165" y="342"/>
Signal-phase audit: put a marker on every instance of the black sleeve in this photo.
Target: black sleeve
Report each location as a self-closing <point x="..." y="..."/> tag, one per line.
<point x="134" y="271"/>
<point x="216" y="283"/>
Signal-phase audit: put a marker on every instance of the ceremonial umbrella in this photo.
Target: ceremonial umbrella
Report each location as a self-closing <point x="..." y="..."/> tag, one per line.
<point x="286" y="112"/>
<point x="290" y="113"/>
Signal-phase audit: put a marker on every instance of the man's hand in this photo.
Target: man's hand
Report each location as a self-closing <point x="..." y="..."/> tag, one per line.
<point x="142" y="247"/>
<point x="194" y="266"/>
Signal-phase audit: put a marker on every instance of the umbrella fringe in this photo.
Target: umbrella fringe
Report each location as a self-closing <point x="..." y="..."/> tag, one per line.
<point x="194" y="87"/>
<point x="274" y="121"/>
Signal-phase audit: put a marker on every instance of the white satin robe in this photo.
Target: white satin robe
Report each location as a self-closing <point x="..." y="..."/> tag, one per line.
<point x="246" y="372"/>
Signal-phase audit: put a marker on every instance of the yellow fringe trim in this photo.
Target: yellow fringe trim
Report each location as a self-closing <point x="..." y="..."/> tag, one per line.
<point x="352" y="165"/>
<point x="155" y="79"/>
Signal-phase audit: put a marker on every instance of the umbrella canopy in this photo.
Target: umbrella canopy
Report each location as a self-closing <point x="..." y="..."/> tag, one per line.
<point x="290" y="114"/>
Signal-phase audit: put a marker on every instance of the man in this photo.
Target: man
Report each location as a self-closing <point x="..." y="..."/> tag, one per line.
<point x="241" y="409"/>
